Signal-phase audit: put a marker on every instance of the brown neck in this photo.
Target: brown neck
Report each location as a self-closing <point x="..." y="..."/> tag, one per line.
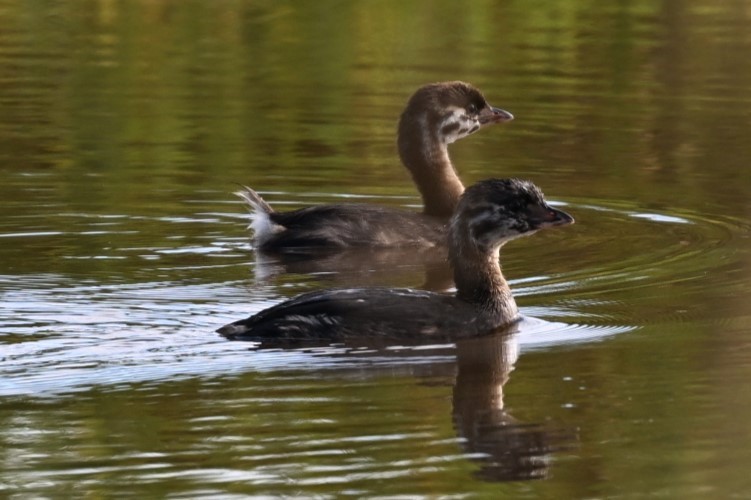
<point x="479" y="281"/>
<point x="427" y="159"/>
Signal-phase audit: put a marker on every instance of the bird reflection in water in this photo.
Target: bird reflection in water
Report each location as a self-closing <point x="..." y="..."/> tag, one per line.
<point x="424" y="268"/>
<point x="507" y="450"/>
<point x="504" y="448"/>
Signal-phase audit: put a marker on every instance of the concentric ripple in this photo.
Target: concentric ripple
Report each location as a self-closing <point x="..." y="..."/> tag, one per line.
<point x="67" y="339"/>
<point x="617" y="269"/>
<point x="631" y="266"/>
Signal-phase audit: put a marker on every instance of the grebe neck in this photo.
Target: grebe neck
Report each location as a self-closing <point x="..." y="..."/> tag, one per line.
<point x="426" y="156"/>
<point x="479" y="281"/>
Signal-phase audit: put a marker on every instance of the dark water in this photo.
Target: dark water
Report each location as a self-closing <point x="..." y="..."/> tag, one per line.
<point x="124" y="127"/>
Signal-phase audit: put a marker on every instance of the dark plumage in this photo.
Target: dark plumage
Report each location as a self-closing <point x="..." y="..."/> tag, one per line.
<point x="435" y="116"/>
<point x="490" y="213"/>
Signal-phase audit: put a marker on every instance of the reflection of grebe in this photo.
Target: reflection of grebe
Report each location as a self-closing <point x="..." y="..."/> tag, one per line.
<point x="436" y="115"/>
<point x="425" y="268"/>
<point x="489" y="214"/>
<point x="505" y="449"/>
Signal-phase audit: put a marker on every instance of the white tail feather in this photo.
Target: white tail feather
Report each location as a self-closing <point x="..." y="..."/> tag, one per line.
<point x="260" y="221"/>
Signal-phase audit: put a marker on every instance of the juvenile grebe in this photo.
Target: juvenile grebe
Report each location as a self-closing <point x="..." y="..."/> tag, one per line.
<point x="436" y="115"/>
<point x="489" y="214"/>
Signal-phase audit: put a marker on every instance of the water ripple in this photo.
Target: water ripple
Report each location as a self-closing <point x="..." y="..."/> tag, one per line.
<point x="64" y="340"/>
<point x="61" y="335"/>
<point x="622" y="261"/>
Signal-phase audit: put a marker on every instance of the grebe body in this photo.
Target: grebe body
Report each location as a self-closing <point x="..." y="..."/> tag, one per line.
<point x="436" y="115"/>
<point x="489" y="214"/>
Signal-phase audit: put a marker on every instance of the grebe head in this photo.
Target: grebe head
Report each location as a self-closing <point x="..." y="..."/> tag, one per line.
<point x="449" y="111"/>
<point x="495" y="211"/>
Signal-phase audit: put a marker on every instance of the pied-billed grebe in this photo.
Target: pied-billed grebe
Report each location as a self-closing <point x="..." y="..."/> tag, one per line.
<point x="436" y="115"/>
<point x="490" y="213"/>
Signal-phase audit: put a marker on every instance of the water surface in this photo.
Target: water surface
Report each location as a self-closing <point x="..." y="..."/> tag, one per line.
<point x="125" y="127"/>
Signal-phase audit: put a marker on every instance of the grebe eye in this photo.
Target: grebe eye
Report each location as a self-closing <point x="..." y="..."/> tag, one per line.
<point x="472" y="108"/>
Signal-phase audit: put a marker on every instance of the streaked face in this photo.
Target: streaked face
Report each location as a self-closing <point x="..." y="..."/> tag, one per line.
<point x="497" y="211"/>
<point x="447" y="111"/>
<point x="458" y="122"/>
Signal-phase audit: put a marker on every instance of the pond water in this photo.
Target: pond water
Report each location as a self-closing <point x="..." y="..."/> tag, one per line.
<point x="125" y="127"/>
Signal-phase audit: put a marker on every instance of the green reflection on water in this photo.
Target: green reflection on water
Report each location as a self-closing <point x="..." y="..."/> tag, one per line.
<point x="124" y="125"/>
